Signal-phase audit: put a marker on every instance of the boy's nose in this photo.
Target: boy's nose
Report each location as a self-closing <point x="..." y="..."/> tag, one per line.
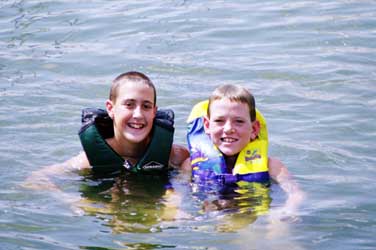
<point x="228" y="127"/>
<point x="137" y="112"/>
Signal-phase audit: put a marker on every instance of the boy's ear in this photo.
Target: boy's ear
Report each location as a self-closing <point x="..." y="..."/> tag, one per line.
<point x="255" y="129"/>
<point x="206" y="124"/>
<point x="109" y="108"/>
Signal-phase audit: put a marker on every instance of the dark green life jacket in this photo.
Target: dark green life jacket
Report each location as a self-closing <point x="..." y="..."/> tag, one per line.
<point x="98" y="126"/>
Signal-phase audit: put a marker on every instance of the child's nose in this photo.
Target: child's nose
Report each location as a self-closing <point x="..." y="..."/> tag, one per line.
<point x="228" y="127"/>
<point x="137" y="112"/>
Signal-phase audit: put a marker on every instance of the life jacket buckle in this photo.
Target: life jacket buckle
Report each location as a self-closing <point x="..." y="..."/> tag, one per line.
<point x="127" y="165"/>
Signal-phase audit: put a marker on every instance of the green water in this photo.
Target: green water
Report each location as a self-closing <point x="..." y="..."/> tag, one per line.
<point x="311" y="65"/>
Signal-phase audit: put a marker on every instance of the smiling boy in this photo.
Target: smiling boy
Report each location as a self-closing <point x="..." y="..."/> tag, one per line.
<point x="228" y="143"/>
<point x="131" y="135"/>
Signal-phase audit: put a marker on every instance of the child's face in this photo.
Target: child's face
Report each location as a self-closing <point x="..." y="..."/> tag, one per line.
<point x="133" y="112"/>
<point x="229" y="126"/>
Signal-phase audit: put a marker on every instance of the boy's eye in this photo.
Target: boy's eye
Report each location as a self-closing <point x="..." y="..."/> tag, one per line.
<point x="147" y="106"/>
<point x="129" y="104"/>
<point x="240" y="121"/>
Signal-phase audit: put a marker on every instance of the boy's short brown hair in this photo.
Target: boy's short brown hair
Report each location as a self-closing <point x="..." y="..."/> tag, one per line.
<point x="130" y="76"/>
<point x="234" y="93"/>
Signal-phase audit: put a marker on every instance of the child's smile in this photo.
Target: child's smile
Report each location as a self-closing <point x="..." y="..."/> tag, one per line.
<point x="229" y="126"/>
<point x="228" y="140"/>
<point x="133" y="112"/>
<point x="136" y="125"/>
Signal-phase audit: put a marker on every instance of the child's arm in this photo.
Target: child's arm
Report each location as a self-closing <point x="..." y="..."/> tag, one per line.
<point x="41" y="179"/>
<point x="178" y="155"/>
<point x="187" y="166"/>
<point x="280" y="174"/>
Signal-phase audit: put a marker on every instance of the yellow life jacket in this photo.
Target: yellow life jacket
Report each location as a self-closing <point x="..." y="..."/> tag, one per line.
<point x="209" y="163"/>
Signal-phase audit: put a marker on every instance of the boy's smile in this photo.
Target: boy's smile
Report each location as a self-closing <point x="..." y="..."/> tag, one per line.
<point x="136" y="125"/>
<point x="229" y="126"/>
<point x="133" y="112"/>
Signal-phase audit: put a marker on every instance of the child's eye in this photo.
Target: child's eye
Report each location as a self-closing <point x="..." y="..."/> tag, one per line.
<point x="240" y="121"/>
<point x="147" y="106"/>
<point x="129" y="104"/>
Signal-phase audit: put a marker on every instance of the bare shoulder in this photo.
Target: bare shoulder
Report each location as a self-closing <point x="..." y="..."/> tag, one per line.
<point x="187" y="166"/>
<point x="277" y="170"/>
<point x="178" y="155"/>
<point x="279" y="173"/>
<point x="78" y="162"/>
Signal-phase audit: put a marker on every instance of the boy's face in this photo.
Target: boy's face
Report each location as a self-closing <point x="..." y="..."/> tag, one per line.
<point x="229" y="126"/>
<point x="133" y="112"/>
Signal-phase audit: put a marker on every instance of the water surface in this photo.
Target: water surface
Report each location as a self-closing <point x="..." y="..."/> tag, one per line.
<point x="310" y="64"/>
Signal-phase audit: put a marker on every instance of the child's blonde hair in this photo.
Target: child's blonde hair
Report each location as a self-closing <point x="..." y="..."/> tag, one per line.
<point x="235" y="93"/>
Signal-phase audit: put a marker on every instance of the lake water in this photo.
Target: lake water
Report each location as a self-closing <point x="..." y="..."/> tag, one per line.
<point x="310" y="64"/>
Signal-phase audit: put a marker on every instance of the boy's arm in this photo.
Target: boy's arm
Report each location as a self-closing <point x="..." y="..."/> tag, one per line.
<point x="178" y="155"/>
<point x="187" y="166"/>
<point x="280" y="174"/>
<point x="41" y="179"/>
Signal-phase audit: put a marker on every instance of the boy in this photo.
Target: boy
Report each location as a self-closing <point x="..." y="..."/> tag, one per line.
<point x="130" y="136"/>
<point x="228" y="144"/>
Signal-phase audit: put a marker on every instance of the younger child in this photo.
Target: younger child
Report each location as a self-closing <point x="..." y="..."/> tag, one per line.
<point x="228" y="144"/>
